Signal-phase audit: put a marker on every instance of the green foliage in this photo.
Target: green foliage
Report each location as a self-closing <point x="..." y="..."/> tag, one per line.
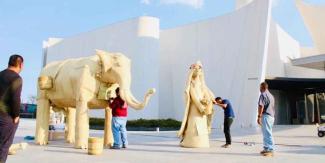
<point x="170" y="123"/>
<point x="98" y="123"/>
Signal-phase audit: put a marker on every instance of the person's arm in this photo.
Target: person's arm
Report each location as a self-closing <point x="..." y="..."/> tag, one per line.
<point x="223" y="106"/>
<point x="112" y="103"/>
<point x="15" y="102"/>
<point x="260" y="110"/>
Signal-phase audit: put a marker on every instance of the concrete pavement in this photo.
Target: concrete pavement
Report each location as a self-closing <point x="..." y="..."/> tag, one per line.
<point x="294" y="144"/>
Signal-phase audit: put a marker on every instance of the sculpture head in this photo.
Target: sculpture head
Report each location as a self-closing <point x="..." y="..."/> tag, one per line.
<point x="195" y="72"/>
<point x="116" y="68"/>
<point x="196" y="69"/>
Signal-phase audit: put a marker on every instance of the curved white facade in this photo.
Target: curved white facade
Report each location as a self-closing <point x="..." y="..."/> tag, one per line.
<point x="232" y="49"/>
<point x="314" y="17"/>
<point x="238" y="51"/>
<point x="136" y="38"/>
<point x="242" y="3"/>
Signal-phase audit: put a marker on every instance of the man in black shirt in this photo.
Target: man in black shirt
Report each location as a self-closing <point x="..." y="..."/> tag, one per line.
<point x="10" y="90"/>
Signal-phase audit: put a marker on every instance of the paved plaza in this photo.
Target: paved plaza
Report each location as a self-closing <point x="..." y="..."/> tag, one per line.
<point x="294" y="144"/>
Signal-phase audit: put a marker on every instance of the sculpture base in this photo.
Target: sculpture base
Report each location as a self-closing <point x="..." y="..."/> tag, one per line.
<point x="201" y="141"/>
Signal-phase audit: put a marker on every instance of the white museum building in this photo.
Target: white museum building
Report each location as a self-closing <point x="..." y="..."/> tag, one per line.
<point x="238" y="51"/>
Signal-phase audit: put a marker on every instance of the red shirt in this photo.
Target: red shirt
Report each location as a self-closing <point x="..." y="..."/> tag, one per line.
<point x="119" y="107"/>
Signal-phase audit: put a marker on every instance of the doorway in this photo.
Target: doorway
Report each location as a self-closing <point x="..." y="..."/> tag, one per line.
<point x="298" y="101"/>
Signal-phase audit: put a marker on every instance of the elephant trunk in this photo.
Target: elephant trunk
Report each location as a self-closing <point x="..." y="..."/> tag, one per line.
<point x="127" y="96"/>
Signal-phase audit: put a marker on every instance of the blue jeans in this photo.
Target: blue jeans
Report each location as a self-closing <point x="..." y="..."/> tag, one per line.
<point x="119" y="131"/>
<point x="267" y="124"/>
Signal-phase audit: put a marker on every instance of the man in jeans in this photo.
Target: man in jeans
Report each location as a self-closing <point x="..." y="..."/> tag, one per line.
<point x="266" y="118"/>
<point x="119" y="112"/>
<point x="10" y="90"/>
<point x="229" y="116"/>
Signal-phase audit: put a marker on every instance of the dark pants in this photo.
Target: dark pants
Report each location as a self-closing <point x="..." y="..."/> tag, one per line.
<point x="7" y="133"/>
<point x="226" y="129"/>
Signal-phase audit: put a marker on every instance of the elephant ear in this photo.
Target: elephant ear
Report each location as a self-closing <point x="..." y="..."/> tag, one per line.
<point x="105" y="59"/>
<point x="120" y="59"/>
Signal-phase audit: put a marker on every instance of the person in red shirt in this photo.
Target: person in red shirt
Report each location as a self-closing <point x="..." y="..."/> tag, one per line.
<point x="119" y="112"/>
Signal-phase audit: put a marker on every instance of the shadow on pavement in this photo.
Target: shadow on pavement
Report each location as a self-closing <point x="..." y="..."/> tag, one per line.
<point x="309" y="150"/>
<point x="191" y="152"/>
<point x="67" y="152"/>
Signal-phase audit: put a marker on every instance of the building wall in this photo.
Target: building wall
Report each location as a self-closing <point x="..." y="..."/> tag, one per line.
<point x="289" y="48"/>
<point x="283" y="48"/>
<point x="275" y="66"/>
<point x="301" y="72"/>
<point x="232" y="49"/>
<point x="313" y="16"/>
<point x="136" y="38"/>
<point x="242" y="3"/>
<point x="238" y="51"/>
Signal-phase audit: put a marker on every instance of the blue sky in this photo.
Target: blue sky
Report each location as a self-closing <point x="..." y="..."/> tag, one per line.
<point x="24" y="24"/>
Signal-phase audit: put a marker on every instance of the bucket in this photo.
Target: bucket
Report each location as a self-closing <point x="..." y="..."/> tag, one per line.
<point x="95" y="145"/>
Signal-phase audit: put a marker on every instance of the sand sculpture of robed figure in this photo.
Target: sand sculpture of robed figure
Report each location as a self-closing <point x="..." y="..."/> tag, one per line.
<point x="196" y="124"/>
<point x="76" y="85"/>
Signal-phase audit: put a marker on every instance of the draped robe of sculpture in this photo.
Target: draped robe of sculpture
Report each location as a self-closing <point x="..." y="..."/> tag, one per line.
<point x="196" y="124"/>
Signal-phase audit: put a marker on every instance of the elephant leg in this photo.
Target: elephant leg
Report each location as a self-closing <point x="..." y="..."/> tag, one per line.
<point x="42" y="119"/>
<point x="82" y="119"/>
<point x="108" y="135"/>
<point x="82" y="125"/>
<point x="70" y="125"/>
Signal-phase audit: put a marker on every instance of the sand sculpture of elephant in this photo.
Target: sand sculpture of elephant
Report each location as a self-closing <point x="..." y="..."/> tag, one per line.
<point x="73" y="85"/>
